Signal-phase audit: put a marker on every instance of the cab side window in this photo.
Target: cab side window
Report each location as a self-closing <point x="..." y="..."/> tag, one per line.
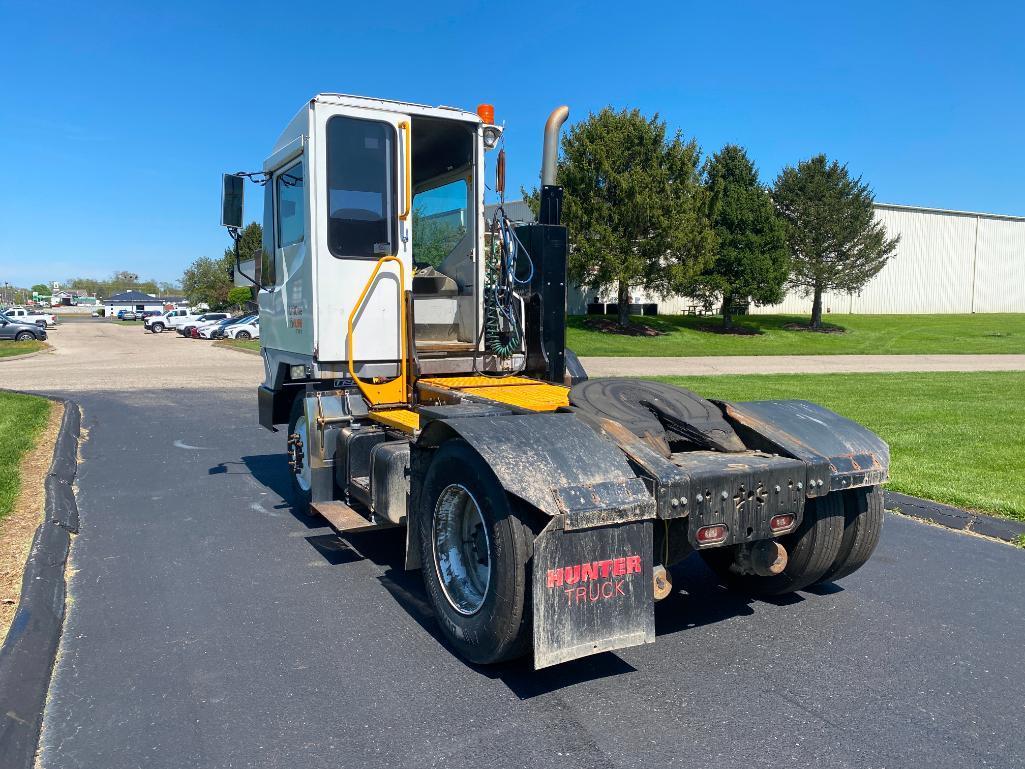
<point x="291" y="214"/>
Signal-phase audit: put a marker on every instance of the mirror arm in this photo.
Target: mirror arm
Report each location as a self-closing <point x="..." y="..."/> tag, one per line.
<point x="237" y="237"/>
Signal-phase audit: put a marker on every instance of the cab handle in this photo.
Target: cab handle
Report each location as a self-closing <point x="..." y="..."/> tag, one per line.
<point x="406" y="140"/>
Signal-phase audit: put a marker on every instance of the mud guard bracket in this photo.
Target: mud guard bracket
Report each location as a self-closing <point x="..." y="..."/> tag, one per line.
<point x="592" y="590"/>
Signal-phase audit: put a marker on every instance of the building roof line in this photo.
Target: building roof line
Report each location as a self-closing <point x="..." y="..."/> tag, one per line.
<point x="950" y="212"/>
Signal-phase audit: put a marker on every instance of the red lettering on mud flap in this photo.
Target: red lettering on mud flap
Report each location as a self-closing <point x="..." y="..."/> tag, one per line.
<point x="594" y="580"/>
<point x="592" y="590"/>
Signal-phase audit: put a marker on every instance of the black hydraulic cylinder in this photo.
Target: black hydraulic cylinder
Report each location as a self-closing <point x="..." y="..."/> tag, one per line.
<point x="546" y="307"/>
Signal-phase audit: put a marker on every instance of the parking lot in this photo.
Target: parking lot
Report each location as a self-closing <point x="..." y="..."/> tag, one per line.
<point x="97" y="354"/>
<point x="209" y="625"/>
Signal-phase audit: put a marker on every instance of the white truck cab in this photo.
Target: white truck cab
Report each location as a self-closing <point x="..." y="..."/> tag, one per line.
<point x="20" y="314"/>
<point x="360" y="187"/>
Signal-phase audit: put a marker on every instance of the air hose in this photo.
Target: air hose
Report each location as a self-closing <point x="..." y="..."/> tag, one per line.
<point x="502" y="329"/>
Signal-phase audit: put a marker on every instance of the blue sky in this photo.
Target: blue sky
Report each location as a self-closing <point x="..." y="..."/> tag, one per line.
<point x="117" y="119"/>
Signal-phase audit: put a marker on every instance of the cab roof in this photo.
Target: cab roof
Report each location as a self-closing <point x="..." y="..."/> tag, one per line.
<point x="299" y="125"/>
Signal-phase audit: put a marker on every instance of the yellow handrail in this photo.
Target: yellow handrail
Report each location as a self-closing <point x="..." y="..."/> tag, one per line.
<point x="393" y="392"/>
<point x="407" y="140"/>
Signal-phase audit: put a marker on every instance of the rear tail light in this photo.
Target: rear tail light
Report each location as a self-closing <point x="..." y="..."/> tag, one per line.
<point x="781" y="523"/>
<point x="712" y="535"/>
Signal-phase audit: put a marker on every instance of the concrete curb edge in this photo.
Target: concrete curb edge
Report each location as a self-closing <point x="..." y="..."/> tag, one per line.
<point x="955" y="518"/>
<point x="28" y="653"/>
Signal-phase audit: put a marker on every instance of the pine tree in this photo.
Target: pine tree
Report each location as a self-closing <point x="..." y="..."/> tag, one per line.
<point x="751" y="260"/>
<point x="634" y="204"/>
<point x="836" y="243"/>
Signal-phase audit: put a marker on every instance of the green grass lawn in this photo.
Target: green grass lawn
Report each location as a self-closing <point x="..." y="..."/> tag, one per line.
<point x="9" y="348"/>
<point x="22" y="418"/>
<point x="241" y="344"/>
<point x="864" y="334"/>
<point x="957" y="438"/>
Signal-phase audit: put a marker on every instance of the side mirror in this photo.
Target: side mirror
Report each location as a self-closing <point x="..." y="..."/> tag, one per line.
<point x="232" y="194"/>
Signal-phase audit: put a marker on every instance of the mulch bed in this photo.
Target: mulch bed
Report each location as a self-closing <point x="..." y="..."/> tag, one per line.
<point x="826" y="329"/>
<point x="612" y="327"/>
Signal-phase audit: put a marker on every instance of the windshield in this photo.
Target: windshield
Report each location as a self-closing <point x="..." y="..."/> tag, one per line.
<point x="439" y="222"/>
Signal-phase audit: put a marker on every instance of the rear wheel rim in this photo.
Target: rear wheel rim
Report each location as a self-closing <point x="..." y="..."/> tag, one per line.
<point x="462" y="549"/>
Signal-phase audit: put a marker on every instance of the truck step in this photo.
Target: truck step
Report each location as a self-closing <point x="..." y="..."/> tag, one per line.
<point x="344" y="519"/>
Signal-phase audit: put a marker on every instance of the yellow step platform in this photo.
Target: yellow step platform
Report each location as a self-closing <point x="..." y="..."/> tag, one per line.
<point x="516" y="391"/>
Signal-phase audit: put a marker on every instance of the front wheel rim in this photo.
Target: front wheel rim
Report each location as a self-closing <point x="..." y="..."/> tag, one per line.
<point x="462" y="549"/>
<point x="303" y="476"/>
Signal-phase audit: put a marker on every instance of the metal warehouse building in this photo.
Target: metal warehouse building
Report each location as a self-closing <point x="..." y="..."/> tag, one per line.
<point x="947" y="262"/>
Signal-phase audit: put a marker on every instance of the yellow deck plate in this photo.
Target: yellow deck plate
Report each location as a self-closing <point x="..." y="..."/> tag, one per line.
<point x="514" y="391"/>
<point x="401" y="419"/>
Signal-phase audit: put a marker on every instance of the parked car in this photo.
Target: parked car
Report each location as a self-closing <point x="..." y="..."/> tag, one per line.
<point x="221" y="330"/>
<point x="21" y="315"/>
<point x="11" y="328"/>
<point x="128" y="315"/>
<point x="146" y="314"/>
<point x="249" y="330"/>
<point x="207" y="329"/>
<point x="170" y="319"/>
<point x="186" y="328"/>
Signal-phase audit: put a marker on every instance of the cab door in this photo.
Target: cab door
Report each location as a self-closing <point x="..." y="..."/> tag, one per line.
<point x="363" y="216"/>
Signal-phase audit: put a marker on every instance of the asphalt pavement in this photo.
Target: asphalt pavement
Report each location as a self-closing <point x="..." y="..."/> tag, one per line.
<point x="209" y="625"/>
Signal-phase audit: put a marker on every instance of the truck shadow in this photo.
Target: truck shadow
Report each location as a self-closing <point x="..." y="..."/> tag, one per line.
<point x="697" y="598"/>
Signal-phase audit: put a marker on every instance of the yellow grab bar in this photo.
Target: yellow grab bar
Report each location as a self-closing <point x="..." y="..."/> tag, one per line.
<point x="393" y="392"/>
<point x="407" y="140"/>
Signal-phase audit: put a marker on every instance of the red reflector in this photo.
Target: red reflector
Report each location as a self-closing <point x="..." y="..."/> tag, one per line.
<point x="710" y="535"/>
<point x="781" y="522"/>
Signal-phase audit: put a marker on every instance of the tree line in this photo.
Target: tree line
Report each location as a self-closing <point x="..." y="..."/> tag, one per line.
<point x="211" y="281"/>
<point x="118" y="282"/>
<point x="644" y="211"/>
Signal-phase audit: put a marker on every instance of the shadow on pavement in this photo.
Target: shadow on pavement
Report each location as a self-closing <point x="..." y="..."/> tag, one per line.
<point x="697" y="598"/>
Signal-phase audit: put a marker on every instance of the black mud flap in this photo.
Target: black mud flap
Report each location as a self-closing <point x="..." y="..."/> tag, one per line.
<point x="592" y="590"/>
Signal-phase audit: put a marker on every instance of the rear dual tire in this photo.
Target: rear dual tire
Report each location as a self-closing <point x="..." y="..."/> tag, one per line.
<point x="863" y="523"/>
<point x="477" y="583"/>
<point x="836" y="537"/>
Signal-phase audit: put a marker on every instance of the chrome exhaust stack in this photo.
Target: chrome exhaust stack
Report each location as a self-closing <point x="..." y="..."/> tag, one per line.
<point x="551" y="194"/>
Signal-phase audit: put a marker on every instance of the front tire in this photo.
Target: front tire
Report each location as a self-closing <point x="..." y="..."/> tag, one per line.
<point x="157" y="328"/>
<point x="243" y="335"/>
<point x="298" y="443"/>
<point x="474" y="550"/>
<point x="24" y="336"/>
<point x="811" y="550"/>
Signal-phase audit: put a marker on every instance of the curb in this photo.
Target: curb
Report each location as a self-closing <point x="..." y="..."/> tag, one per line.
<point x="27" y="655"/>
<point x="23" y="356"/>
<point x="956" y="518"/>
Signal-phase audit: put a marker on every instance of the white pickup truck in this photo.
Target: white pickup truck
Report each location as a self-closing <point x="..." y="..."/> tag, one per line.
<point x="20" y="314"/>
<point x="170" y="319"/>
